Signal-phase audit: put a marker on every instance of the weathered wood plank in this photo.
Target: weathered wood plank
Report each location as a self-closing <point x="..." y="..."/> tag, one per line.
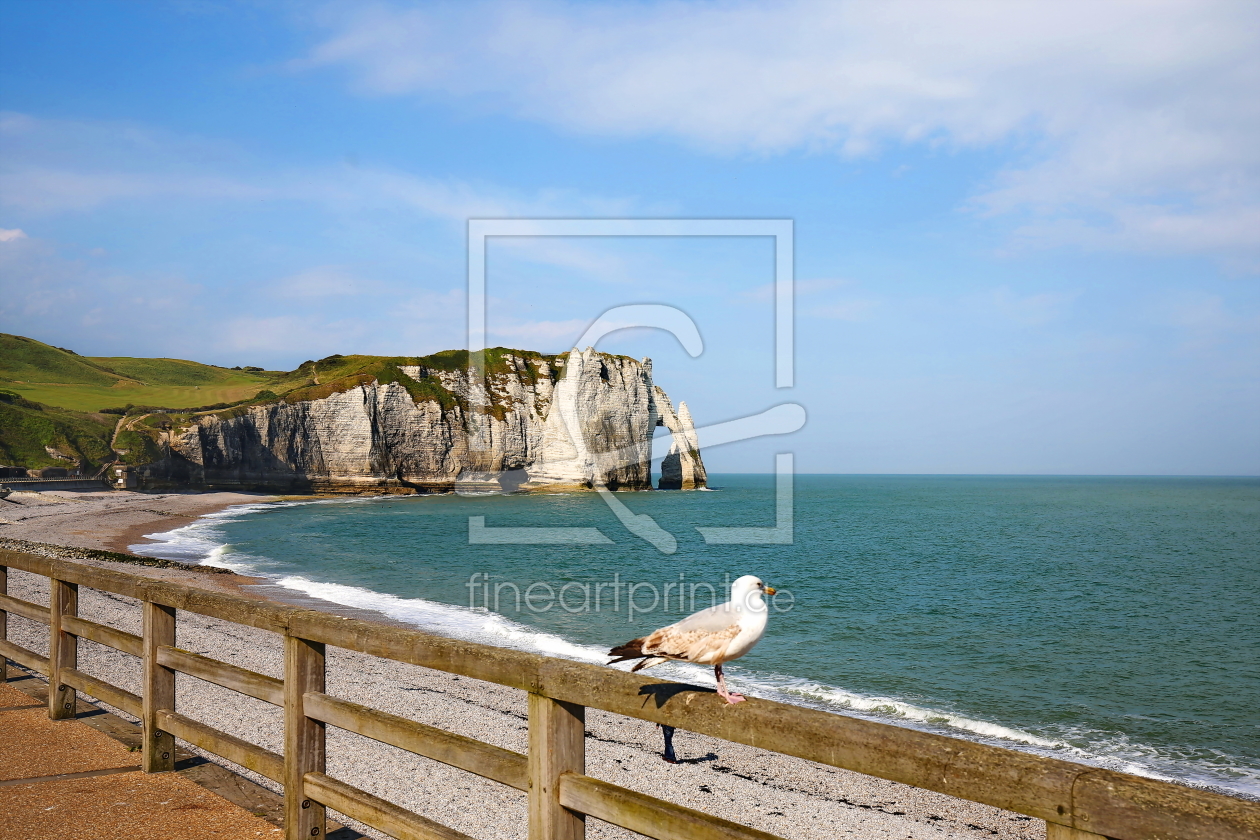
<point x="63" y="649"/>
<point x="111" y="694"/>
<point x="487" y="760"/>
<point x="22" y="656"/>
<point x="4" y="622"/>
<point x="260" y="686"/>
<point x="1021" y="782"/>
<point x="648" y="815"/>
<point x="104" y="634"/>
<point x="32" y="563"/>
<point x="513" y="668"/>
<point x="26" y="609"/>
<point x="1119" y="805"/>
<point x="159" y="688"/>
<point x="557" y="745"/>
<point x="303" y="737"/>
<point x="381" y="814"/>
<point x="235" y="750"/>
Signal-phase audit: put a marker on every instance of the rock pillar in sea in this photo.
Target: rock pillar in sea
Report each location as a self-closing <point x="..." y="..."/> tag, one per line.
<point x="682" y="468"/>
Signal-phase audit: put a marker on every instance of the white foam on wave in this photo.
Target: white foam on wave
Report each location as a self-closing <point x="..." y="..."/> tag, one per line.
<point x="886" y="707"/>
<point x="200" y="543"/>
<point x="447" y="620"/>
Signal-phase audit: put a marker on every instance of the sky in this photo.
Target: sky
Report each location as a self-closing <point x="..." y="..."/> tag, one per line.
<point x="1026" y="236"/>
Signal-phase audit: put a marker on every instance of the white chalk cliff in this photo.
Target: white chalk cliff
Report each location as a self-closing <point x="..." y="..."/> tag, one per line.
<point x="536" y="423"/>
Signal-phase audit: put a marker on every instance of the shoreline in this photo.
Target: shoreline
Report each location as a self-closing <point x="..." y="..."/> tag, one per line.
<point x="787" y="796"/>
<point x="122" y="519"/>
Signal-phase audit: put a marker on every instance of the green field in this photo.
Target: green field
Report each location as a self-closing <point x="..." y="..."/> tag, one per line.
<point x="57" y="377"/>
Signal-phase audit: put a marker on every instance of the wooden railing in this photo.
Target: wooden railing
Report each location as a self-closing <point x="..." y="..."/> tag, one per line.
<point x="1076" y="801"/>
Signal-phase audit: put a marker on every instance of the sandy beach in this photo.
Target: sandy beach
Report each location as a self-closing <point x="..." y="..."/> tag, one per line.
<point x="108" y="520"/>
<point x="785" y="796"/>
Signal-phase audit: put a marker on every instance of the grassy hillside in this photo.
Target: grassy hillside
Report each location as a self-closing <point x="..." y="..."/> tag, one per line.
<point x="57" y="377"/>
<point x="26" y="428"/>
<point x="27" y="360"/>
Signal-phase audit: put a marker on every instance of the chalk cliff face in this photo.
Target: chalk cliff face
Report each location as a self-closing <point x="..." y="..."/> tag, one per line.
<point x="536" y="423"/>
<point x="599" y="429"/>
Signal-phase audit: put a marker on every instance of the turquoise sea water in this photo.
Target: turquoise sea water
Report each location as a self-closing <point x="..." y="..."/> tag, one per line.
<point x="1108" y="620"/>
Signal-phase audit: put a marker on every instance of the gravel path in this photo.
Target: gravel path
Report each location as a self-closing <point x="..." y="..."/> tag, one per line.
<point x="782" y="795"/>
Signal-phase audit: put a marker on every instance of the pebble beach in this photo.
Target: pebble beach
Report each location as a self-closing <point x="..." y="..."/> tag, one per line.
<point x="785" y="796"/>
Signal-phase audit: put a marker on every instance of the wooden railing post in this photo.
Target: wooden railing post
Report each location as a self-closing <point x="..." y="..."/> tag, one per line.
<point x="557" y="744"/>
<point x="303" y="738"/>
<point x="4" y="622"/>
<point x="63" y="648"/>
<point x="159" y="688"/>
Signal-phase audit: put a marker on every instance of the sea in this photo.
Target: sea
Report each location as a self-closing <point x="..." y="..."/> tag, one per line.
<point x="1113" y="621"/>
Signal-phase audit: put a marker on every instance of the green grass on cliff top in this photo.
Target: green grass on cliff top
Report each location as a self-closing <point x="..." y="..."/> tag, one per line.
<point x="58" y="377"/>
<point x="55" y="376"/>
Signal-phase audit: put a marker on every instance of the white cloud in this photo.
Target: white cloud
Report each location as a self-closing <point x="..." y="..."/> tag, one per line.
<point x="1125" y="119"/>
<point x="66" y="166"/>
<point x="12" y="235"/>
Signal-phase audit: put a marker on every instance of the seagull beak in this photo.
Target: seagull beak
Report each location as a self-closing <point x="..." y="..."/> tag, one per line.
<point x="770" y="590"/>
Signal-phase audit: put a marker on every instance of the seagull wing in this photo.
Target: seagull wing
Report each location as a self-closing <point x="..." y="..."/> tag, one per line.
<point x="698" y="637"/>
<point x="714" y="618"/>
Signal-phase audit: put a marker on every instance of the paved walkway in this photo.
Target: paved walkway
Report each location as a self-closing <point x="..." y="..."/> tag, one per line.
<point x="80" y="780"/>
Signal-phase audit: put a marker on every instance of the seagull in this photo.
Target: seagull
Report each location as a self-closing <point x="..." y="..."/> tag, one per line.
<point x="710" y="637"/>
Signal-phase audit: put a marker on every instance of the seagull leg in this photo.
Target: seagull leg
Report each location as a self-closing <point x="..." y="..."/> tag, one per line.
<point x="730" y="696"/>
<point x="668" y="732"/>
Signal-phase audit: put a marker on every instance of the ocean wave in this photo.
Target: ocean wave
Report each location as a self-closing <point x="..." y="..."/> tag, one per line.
<point x="202" y="542"/>
<point x="445" y="619"/>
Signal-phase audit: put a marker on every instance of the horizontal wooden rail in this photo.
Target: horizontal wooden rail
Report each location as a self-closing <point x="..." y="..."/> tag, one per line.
<point x="235" y="750"/>
<point x="1063" y="793"/>
<point x="381" y="814"/>
<point x="103" y="634"/>
<point x="25" y="658"/>
<point x="35" y="612"/>
<point x="487" y="760"/>
<point x="111" y="694"/>
<point x="259" y="686"/>
<point x="648" y="815"/>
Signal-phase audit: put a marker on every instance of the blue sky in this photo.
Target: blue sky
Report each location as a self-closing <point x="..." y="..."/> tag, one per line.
<point x="1027" y="235"/>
